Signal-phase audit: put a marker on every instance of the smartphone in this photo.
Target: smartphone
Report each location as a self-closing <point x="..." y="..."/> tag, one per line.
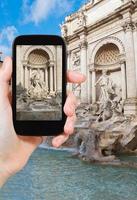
<point x="39" y="85"/>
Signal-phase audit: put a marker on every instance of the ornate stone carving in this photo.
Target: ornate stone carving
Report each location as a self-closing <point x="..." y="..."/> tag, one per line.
<point x="64" y="30"/>
<point x="108" y="54"/>
<point x="135" y="26"/>
<point x="92" y="67"/>
<point x="105" y="84"/>
<point x="83" y="44"/>
<point x="81" y="19"/>
<point x="128" y="26"/>
<point x="37" y="90"/>
<point x="76" y="59"/>
<point x="110" y="98"/>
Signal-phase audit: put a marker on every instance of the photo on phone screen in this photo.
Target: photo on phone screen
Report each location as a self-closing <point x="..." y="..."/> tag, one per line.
<point x="39" y="82"/>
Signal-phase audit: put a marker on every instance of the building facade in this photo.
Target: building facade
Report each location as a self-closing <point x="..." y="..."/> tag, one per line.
<point x="101" y="40"/>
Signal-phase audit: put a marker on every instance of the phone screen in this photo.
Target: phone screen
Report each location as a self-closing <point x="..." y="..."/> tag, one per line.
<point x="38" y="82"/>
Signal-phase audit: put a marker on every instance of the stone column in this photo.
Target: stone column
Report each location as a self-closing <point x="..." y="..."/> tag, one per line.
<point x="51" y="78"/>
<point x="69" y="66"/>
<point x="46" y="76"/>
<point x="55" y="78"/>
<point x="123" y="79"/>
<point x="135" y="44"/>
<point x="26" y="77"/>
<point x="84" y="90"/>
<point x="93" y="85"/>
<point x="130" y="56"/>
<point x="130" y="104"/>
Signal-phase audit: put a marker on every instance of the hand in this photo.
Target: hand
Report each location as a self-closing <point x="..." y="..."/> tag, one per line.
<point x="15" y="150"/>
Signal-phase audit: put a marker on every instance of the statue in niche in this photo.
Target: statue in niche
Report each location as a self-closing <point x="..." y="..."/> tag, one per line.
<point x="110" y="100"/>
<point x="106" y="86"/>
<point x="76" y="59"/>
<point x="81" y="19"/>
<point x="37" y="90"/>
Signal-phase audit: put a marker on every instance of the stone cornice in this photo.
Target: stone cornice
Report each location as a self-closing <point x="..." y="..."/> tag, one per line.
<point x="116" y="15"/>
<point x="130" y="6"/>
<point x="86" y="30"/>
<point x="85" y="8"/>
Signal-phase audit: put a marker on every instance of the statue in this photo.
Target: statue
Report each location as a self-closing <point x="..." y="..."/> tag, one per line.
<point x="76" y="59"/>
<point x="64" y="30"/>
<point x="106" y="86"/>
<point x="105" y="111"/>
<point x="81" y="19"/>
<point x="110" y="100"/>
<point x="37" y="90"/>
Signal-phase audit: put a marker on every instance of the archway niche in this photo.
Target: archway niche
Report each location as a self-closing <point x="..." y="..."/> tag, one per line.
<point x="38" y="64"/>
<point x="107" y="61"/>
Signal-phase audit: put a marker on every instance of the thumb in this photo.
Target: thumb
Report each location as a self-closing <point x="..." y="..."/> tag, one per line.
<point x="5" y="76"/>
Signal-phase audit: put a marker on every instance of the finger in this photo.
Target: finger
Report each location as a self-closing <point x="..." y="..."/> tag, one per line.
<point x="70" y="105"/>
<point x="59" y="140"/>
<point x="5" y="76"/>
<point x="69" y="125"/>
<point x="10" y="95"/>
<point x="75" y="77"/>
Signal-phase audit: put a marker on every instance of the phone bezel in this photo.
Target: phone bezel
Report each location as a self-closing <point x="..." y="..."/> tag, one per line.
<point x="39" y="128"/>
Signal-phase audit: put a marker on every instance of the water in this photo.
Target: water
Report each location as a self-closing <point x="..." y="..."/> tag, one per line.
<point x="55" y="175"/>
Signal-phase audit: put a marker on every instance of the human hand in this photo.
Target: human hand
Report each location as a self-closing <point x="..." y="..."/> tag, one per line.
<point x="15" y="150"/>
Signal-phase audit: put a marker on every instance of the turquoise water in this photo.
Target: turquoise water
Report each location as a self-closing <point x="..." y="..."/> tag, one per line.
<point x="55" y="175"/>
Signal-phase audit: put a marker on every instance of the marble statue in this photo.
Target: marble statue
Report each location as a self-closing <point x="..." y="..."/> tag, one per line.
<point x="106" y="86"/>
<point x="81" y="19"/>
<point x="37" y="90"/>
<point x="64" y="30"/>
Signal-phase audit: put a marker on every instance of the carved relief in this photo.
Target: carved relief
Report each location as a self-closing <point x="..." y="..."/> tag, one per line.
<point x="128" y="26"/>
<point x="76" y="59"/>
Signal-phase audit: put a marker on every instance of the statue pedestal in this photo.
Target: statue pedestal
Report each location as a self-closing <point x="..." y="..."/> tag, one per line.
<point x="130" y="106"/>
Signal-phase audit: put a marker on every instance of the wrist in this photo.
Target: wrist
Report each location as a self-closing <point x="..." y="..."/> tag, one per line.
<point x="5" y="172"/>
<point x="3" y="176"/>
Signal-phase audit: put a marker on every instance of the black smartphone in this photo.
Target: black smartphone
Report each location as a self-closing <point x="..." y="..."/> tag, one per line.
<point x="39" y="85"/>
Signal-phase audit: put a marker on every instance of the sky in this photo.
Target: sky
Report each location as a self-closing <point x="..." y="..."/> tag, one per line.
<point x="19" y="17"/>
